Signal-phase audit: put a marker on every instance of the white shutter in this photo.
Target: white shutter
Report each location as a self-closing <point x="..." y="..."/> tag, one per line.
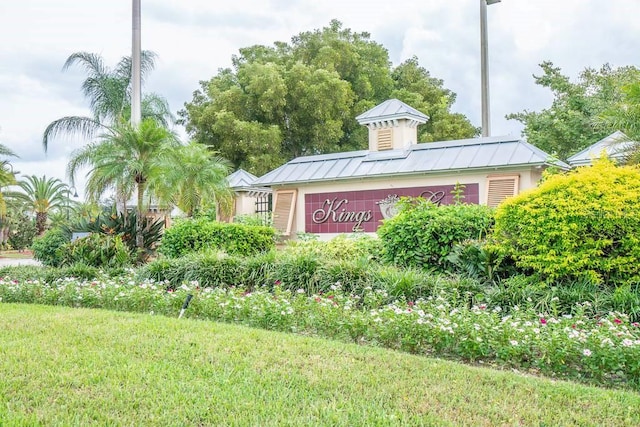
<point x="385" y="139"/>
<point x="284" y="206"/>
<point x="499" y="187"/>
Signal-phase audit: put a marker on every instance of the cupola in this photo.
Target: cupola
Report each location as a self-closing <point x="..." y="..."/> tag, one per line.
<point x="393" y="125"/>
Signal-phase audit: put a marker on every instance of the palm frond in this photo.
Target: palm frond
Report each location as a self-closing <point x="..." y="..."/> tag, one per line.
<point x="83" y="127"/>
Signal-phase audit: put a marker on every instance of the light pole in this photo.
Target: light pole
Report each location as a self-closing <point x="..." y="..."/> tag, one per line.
<point x="75" y="196"/>
<point x="484" y="66"/>
<point x="136" y="79"/>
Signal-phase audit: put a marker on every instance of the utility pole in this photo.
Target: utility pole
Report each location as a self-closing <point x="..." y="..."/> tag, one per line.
<point x="136" y="78"/>
<point x="484" y="67"/>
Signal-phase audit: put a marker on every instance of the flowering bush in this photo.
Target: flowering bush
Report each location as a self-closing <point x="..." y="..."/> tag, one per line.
<point x="605" y="350"/>
<point x="582" y="225"/>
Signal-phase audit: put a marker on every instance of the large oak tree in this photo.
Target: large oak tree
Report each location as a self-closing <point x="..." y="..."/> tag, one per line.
<point x="301" y="98"/>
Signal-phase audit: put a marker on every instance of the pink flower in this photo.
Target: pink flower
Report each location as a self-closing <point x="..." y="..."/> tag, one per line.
<point x="482" y="306"/>
<point x="635" y="324"/>
<point x="543" y="320"/>
<point x="277" y="282"/>
<point x="617" y="321"/>
<point x="410" y="304"/>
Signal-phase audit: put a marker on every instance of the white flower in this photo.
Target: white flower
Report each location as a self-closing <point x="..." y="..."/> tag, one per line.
<point x="586" y="352"/>
<point x="627" y="342"/>
<point x="514" y="342"/>
<point x="606" y="341"/>
<point x="300" y="291"/>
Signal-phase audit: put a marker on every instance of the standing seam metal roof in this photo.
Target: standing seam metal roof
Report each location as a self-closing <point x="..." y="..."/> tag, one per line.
<point x="476" y="153"/>
<point x="614" y="146"/>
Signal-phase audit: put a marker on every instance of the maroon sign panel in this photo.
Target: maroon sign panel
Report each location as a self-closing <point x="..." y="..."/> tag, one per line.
<point x="349" y="211"/>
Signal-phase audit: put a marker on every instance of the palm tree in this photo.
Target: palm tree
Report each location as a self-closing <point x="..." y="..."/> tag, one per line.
<point x="7" y="177"/>
<point x="42" y="195"/>
<point x="125" y="157"/>
<point x="195" y="177"/>
<point x="109" y="95"/>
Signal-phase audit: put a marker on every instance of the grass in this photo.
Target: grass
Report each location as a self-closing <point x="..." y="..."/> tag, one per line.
<point x="61" y="366"/>
<point x="16" y="254"/>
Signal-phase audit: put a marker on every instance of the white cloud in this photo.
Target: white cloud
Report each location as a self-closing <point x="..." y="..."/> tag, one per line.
<point x="194" y="38"/>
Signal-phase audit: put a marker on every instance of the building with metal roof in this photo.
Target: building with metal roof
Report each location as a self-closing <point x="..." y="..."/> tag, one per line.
<point x="354" y="191"/>
<point x="614" y="146"/>
<point x="249" y="198"/>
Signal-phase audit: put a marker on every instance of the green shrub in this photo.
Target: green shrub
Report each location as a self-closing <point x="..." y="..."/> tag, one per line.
<point x="201" y="234"/>
<point x="77" y="271"/>
<point x="125" y="227"/>
<point x="582" y="225"/>
<point x="97" y="250"/>
<point x="423" y="234"/>
<point x="23" y="272"/>
<point x="481" y="260"/>
<point x="255" y="219"/>
<point x="23" y="231"/>
<point x="342" y="247"/>
<point x="47" y="249"/>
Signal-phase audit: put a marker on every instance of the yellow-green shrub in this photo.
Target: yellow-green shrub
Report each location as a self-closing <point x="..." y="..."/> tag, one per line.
<point x="584" y="224"/>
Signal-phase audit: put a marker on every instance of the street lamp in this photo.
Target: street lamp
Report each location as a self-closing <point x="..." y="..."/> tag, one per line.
<point x="484" y="66"/>
<point x="75" y="196"/>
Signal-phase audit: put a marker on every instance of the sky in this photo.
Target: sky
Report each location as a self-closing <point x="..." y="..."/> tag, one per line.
<point x="195" y="38"/>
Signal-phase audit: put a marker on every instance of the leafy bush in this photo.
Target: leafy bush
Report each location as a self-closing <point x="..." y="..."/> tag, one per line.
<point x="529" y="292"/>
<point x="255" y="219"/>
<point x="342" y="247"/>
<point x="481" y="260"/>
<point x="309" y="273"/>
<point x="423" y="234"/>
<point x="125" y="227"/>
<point x="582" y="225"/>
<point x="77" y="271"/>
<point x="47" y="249"/>
<point x="23" y="231"/>
<point x="194" y="235"/>
<point x="97" y="250"/>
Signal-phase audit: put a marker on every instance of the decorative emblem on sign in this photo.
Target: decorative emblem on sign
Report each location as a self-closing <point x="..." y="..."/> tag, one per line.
<point x="388" y="206"/>
<point x="433" y="196"/>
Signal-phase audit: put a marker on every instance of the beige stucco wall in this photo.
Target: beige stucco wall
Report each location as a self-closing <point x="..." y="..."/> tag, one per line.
<point x="529" y="177"/>
<point x="245" y="204"/>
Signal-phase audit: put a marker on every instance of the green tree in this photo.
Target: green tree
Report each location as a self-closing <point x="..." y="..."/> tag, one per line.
<point x="570" y="123"/>
<point x="301" y="98"/>
<point x="625" y="116"/>
<point x="41" y="195"/>
<point x="7" y="177"/>
<point x="109" y="94"/>
<point x="200" y="181"/>
<point x="125" y="157"/>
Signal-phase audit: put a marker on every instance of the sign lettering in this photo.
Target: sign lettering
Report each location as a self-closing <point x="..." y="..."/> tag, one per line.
<point x="364" y="210"/>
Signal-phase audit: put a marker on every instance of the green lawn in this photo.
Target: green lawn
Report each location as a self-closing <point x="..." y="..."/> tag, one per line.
<point x="61" y="366"/>
<point x="16" y="254"/>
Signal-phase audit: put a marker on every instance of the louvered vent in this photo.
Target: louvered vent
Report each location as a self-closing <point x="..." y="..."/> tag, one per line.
<point x="501" y="187"/>
<point x="385" y="139"/>
<point x="283" y="208"/>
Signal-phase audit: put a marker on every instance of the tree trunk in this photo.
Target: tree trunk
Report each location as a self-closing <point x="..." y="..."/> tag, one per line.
<point x="41" y="222"/>
<point x="139" y="219"/>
